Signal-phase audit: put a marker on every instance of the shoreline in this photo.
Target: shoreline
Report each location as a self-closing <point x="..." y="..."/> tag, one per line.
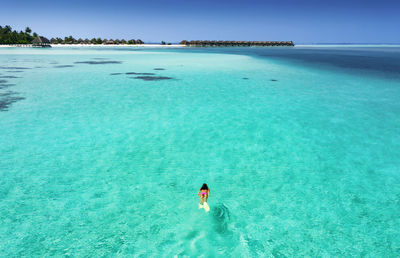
<point x="96" y="45"/>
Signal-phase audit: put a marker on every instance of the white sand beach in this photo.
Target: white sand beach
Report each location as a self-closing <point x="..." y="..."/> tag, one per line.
<point x="101" y="45"/>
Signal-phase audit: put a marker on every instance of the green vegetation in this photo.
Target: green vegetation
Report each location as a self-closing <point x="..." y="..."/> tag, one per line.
<point x="8" y="36"/>
<point x="96" y="41"/>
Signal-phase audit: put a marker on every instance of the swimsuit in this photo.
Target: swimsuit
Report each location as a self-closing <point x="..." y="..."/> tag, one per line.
<point x="203" y="193"/>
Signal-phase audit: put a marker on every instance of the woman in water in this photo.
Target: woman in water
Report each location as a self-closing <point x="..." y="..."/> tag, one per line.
<point x="204" y="192"/>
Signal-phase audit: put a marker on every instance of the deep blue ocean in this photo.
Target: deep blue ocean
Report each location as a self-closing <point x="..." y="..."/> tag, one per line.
<point x="103" y="150"/>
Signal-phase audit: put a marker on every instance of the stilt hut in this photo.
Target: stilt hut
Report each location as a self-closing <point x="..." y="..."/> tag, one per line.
<point x="40" y="42"/>
<point x="109" y="42"/>
<point x="229" y="43"/>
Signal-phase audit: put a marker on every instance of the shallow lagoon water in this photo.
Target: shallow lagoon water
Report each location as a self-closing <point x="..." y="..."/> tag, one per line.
<point x="302" y="157"/>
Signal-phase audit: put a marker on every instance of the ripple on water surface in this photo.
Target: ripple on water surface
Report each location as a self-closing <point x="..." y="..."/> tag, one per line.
<point x="300" y="160"/>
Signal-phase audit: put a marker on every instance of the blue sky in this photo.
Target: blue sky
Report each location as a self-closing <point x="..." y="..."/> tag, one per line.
<point x="303" y="21"/>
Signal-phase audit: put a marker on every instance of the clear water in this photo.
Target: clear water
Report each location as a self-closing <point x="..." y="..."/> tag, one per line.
<point x="302" y="157"/>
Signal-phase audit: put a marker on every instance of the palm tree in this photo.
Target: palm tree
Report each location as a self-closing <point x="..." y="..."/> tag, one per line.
<point x="71" y="40"/>
<point x="7" y="29"/>
<point x="28" y="30"/>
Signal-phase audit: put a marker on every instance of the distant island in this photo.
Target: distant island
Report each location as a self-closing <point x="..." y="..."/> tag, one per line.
<point x="27" y="38"/>
<point x="10" y="37"/>
<point x="95" y="41"/>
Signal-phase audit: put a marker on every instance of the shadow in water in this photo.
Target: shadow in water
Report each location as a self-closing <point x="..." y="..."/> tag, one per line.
<point x="221" y="217"/>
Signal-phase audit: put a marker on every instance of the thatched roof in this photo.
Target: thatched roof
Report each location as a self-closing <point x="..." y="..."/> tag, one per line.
<point x="40" y="40"/>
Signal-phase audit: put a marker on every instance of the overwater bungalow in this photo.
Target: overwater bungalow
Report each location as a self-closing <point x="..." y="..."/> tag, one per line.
<point x="227" y="43"/>
<point x="40" y="41"/>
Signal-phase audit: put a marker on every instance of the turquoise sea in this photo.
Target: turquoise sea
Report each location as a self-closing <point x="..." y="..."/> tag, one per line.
<point x="299" y="146"/>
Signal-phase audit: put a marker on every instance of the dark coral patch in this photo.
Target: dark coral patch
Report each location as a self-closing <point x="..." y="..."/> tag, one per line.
<point x="140" y="73"/>
<point x="3" y="81"/>
<point x="115" y="73"/>
<point x="9" y="77"/>
<point x="152" y="78"/>
<point x="273" y="80"/>
<point x="8" y="98"/>
<point x="63" y="66"/>
<point x="6" y="85"/>
<point x="221" y="217"/>
<point x="98" y="62"/>
<point x="159" y="69"/>
<point x="14" y="68"/>
<point x="245" y="78"/>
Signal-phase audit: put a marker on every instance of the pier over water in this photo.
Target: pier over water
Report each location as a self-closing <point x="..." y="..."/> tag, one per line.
<point x="225" y="43"/>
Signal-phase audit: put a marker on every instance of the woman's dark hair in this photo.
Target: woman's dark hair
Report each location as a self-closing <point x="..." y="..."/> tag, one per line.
<point x="204" y="187"/>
